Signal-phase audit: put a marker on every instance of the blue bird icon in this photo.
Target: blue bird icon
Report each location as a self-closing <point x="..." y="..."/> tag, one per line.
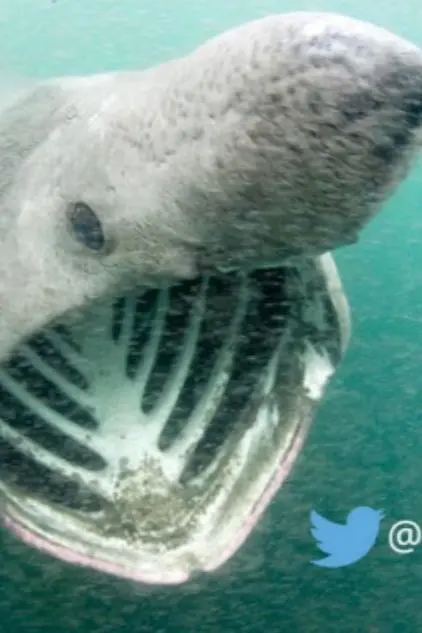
<point x="348" y="543"/>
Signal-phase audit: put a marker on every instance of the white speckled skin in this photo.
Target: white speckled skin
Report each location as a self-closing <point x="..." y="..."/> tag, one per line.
<point x="279" y="138"/>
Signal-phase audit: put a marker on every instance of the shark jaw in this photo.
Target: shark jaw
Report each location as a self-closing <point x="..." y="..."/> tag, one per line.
<point x="146" y="438"/>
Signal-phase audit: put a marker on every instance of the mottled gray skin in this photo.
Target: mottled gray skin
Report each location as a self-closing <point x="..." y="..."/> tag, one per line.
<point x="280" y="138"/>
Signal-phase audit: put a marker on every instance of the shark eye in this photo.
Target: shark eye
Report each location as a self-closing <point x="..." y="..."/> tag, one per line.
<point x="86" y="227"/>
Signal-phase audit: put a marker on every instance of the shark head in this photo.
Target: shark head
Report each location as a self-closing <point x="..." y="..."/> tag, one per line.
<point x="170" y="314"/>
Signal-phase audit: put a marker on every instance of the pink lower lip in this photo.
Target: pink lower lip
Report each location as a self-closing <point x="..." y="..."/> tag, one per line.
<point x="167" y="578"/>
<point x="67" y="555"/>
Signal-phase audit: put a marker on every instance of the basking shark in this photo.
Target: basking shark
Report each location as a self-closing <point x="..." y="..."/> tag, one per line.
<point x="170" y="310"/>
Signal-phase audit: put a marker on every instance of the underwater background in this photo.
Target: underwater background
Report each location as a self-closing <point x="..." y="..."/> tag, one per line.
<point x="365" y="446"/>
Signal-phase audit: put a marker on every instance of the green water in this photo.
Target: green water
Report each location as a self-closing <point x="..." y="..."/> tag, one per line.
<point x="366" y="443"/>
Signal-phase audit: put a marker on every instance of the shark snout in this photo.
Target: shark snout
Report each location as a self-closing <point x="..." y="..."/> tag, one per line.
<point x="292" y="132"/>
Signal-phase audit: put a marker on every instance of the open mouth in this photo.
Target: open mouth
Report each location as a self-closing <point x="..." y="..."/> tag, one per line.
<point x="146" y="438"/>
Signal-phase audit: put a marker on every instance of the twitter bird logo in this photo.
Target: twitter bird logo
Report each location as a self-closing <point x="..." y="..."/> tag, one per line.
<point x="346" y="544"/>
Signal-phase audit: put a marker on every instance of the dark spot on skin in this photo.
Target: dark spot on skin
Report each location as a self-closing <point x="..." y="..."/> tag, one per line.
<point x="275" y="98"/>
<point x="315" y="103"/>
<point x="401" y="139"/>
<point x="413" y="113"/>
<point x="384" y="152"/>
<point x="358" y="107"/>
<point x="390" y="151"/>
<point x="295" y="149"/>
